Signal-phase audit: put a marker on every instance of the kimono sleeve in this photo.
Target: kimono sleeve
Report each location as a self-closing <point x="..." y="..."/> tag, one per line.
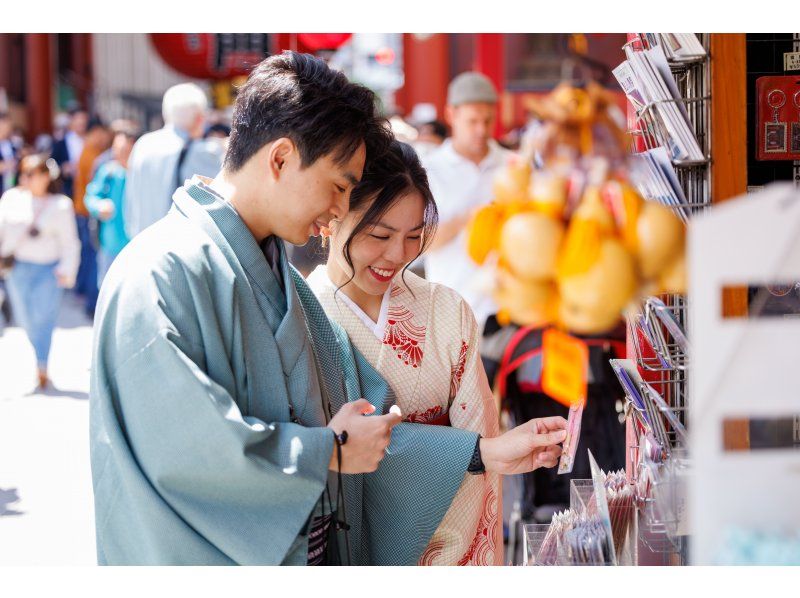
<point x="407" y="497"/>
<point x="472" y="405"/>
<point x="201" y="483"/>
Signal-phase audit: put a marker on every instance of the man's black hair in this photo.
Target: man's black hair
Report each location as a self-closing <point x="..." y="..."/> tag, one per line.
<point x="95" y="122"/>
<point x="299" y="97"/>
<point x="438" y="128"/>
<point x="218" y="128"/>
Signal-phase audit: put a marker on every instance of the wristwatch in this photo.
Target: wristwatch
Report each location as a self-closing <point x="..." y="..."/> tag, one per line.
<point x="476" y="463"/>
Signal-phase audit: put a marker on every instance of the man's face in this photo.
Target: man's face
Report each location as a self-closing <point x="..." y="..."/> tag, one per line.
<point x="79" y="122"/>
<point x="472" y="126"/>
<point x="5" y="128"/>
<point x="311" y="197"/>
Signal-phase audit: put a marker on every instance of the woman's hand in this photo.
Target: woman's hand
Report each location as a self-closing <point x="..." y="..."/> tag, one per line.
<point x="106" y="210"/>
<point x="527" y="447"/>
<point x="65" y="282"/>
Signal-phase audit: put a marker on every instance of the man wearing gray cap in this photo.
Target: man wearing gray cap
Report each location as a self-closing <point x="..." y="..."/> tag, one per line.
<point x="461" y="172"/>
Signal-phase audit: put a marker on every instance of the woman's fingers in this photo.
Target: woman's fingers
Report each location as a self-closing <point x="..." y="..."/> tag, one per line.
<point x="551" y="424"/>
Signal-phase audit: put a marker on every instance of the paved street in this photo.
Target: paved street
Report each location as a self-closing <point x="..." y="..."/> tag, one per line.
<point x="46" y="510"/>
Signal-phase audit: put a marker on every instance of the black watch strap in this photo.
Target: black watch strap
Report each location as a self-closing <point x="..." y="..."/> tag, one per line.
<point x="476" y="463"/>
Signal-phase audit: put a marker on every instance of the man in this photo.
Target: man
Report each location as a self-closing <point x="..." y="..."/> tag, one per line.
<point x="9" y="156"/>
<point x="163" y="159"/>
<point x="67" y="151"/>
<point x="96" y="141"/>
<point x="9" y="153"/>
<point x="461" y="173"/>
<point x="226" y="421"/>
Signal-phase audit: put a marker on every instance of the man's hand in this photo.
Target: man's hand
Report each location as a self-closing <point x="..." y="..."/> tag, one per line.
<point x="367" y="437"/>
<point x="527" y="447"/>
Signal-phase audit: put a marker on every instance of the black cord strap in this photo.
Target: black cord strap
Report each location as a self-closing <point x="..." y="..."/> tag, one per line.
<point x="341" y="522"/>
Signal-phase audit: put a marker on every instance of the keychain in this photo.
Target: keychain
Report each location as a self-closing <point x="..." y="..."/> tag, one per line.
<point x="794" y="143"/>
<point x="775" y="131"/>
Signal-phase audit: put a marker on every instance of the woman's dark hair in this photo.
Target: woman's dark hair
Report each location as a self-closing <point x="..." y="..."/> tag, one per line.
<point x="44" y="164"/>
<point x="389" y="177"/>
<point x="299" y="97"/>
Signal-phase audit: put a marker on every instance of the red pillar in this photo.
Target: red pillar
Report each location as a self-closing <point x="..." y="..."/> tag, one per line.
<point x="490" y="60"/>
<point x="5" y="60"/>
<point x="426" y="65"/>
<point x="82" y="67"/>
<point x="39" y="82"/>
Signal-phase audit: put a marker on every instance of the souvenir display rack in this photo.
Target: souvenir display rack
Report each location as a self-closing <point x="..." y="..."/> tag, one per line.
<point x="665" y="363"/>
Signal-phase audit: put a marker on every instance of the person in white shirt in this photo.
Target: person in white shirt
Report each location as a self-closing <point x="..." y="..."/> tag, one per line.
<point x="461" y="173"/>
<point x="162" y="160"/>
<point x="38" y="230"/>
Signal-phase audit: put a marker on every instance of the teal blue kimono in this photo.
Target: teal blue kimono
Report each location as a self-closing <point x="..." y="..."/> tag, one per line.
<point x="208" y="437"/>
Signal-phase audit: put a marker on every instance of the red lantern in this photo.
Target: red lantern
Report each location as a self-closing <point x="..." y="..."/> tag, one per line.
<point x="211" y="55"/>
<point x="323" y="41"/>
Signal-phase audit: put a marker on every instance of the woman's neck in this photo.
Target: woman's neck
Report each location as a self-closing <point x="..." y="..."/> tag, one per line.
<point x="369" y="304"/>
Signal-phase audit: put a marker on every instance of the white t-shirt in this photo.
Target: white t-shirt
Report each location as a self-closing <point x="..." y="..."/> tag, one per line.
<point x="54" y="218"/>
<point x="459" y="187"/>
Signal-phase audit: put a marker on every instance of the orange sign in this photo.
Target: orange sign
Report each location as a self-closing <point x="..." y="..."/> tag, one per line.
<point x="565" y="360"/>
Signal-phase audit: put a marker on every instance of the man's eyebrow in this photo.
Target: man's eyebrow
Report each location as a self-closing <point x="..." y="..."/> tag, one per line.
<point x="353" y="179"/>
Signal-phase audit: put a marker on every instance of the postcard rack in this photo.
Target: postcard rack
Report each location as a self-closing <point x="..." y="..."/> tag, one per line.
<point x="660" y="351"/>
<point x="692" y="77"/>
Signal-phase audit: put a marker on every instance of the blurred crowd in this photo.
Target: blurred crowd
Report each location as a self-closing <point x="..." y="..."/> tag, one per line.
<point x="71" y="201"/>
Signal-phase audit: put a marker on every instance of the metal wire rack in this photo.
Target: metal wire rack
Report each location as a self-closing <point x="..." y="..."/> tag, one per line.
<point x="658" y="347"/>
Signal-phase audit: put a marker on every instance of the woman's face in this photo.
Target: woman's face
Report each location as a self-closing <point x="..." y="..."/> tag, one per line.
<point x="37" y="182"/>
<point x="380" y="250"/>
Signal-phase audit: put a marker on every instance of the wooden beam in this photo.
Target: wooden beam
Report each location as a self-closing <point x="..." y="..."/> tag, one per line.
<point x="729" y="165"/>
<point x="728" y="115"/>
<point x="729" y="134"/>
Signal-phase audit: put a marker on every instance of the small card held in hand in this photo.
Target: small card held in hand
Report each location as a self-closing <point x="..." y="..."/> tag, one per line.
<point x="570" y="446"/>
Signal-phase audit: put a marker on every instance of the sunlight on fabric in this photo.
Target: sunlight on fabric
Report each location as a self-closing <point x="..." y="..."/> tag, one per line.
<point x="295" y="450"/>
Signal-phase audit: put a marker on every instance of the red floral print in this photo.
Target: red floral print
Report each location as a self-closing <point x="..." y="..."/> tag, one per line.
<point x="425" y="417"/>
<point x="404" y="337"/>
<point x="457" y="371"/>
<point x="481" y="550"/>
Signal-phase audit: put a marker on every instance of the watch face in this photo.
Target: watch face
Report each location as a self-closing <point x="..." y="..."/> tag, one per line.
<point x="780" y="290"/>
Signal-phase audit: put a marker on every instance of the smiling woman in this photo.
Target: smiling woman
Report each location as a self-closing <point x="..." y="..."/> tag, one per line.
<point x="422" y="337"/>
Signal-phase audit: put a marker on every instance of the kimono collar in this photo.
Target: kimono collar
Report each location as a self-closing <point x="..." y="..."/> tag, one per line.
<point x="239" y="239"/>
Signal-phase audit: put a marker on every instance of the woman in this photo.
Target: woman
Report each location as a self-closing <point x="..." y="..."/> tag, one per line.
<point x="422" y="337"/>
<point x="37" y="228"/>
<point x="104" y="200"/>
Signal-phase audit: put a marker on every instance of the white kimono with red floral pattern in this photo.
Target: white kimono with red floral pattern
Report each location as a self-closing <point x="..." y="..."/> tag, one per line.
<point x="425" y="345"/>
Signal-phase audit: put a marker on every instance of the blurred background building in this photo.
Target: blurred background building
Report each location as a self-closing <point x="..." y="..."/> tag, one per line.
<point x="124" y="75"/>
